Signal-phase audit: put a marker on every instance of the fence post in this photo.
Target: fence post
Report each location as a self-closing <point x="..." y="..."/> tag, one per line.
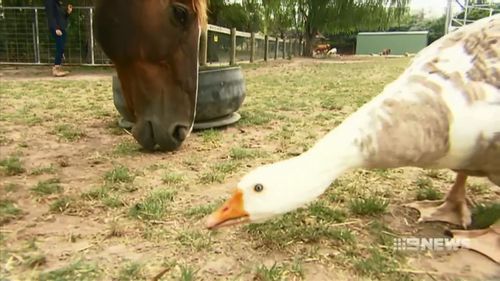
<point x="232" y="55"/>
<point x="203" y="47"/>
<point x="266" y="47"/>
<point x="277" y="48"/>
<point x="284" y="48"/>
<point x="37" y="41"/>
<point x="92" y="54"/>
<point x="290" y="48"/>
<point x="252" y="47"/>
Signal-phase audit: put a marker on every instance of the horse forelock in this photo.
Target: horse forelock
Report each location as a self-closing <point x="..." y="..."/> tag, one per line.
<point x="200" y="7"/>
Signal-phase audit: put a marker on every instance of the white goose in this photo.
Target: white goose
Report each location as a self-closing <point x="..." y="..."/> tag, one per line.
<point x="442" y="112"/>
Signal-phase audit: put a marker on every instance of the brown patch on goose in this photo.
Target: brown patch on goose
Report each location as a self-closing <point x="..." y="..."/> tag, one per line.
<point x="472" y="91"/>
<point x="455" y="77"/>
<point x="485" y="160"/>
<point x="417" y="133"/>
<point x="422" y="80"/>
<point x="475" y="91"/>
<point x="366" y="145"/>
<point x="484" y="47"/>
<point x="452" y="40"/>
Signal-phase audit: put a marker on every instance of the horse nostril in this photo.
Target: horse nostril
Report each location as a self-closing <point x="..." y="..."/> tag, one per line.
<point x="180" y="132"/>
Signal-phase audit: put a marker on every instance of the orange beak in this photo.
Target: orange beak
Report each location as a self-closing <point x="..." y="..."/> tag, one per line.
<point x="230" y="213"/>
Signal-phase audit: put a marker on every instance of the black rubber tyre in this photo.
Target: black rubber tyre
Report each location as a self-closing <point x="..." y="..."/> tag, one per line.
<point x="221" y="92"/>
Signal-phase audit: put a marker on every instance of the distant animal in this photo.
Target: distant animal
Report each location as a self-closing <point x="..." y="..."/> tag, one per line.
<point x="322" y="48"/>
<point x="332" y="51"/>
<point x="442" y="112"/>
<point x="154" y="47"/>
<point x="385" y="52"/>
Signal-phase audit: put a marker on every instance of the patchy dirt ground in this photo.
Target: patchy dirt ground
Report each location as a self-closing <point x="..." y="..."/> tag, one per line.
<point x="81" y="201"/>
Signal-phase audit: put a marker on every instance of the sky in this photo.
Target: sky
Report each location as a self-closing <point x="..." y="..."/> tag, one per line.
<point x="437" y="8"/>
<point x="432" y="8"/>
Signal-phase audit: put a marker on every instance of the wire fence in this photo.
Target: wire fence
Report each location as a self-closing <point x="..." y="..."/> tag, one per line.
<point x="25" y="39"/>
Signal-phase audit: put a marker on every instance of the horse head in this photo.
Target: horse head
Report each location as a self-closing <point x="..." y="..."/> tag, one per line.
<point x="154" y="47"/>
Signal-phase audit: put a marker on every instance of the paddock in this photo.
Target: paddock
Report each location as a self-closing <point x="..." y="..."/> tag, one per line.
<point x="81" y="200"/>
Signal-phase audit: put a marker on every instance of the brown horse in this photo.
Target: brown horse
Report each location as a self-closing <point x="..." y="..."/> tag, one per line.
<point x="154" y="47"/>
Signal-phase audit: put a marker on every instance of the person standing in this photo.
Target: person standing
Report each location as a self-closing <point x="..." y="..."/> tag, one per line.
<point x="57" y="17"/>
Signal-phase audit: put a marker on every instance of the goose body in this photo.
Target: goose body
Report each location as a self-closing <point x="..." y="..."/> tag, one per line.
<point x="443" y="111"/>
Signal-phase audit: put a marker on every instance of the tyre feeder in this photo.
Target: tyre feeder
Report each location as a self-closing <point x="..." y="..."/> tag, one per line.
<point x="221" y="91"/>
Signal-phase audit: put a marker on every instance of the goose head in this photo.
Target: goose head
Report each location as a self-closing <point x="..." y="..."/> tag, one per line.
<point x="272" y="190"/>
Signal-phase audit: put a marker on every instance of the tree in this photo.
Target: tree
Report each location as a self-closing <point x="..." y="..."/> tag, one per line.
<point x="215" y="7"/>
<point x="335" y="16"/>
<point x="278" y="16"/>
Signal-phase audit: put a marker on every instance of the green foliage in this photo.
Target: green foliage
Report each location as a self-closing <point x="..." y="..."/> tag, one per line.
<point x="12" y="166"/>
<point x="8" y="211"/>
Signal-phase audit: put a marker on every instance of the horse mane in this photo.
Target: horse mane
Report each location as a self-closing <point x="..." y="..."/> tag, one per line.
<point x="200" y="7"/>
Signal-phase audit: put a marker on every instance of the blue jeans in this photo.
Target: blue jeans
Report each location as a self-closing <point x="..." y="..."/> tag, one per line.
<point x="60" y="42"/>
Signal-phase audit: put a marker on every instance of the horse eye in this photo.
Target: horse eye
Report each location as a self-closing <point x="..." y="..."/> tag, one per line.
<point x="181" y="13"/>
<point x="258" y="187"/>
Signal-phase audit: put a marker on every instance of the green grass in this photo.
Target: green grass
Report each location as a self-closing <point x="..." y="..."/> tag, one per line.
<point x="131" y="272"/>
<point x="426" y="190"/>
<point x="12" y="187"/>
<point x="113" y="201"/>
<point x="105" y="195"/>
<point x="423" y="182"/>
<point x="154" y="206"/>
<point x="429" y="193"/>
<point x="12" y="166"/>
<point x="172" y="178"/>
<point x="377" y="265"/>
<point x="127" y="147"/>
<point x="187" y="273"/>
<point x="47" y="187"/>
<point x="62" y="204"/>
<point x="218" y="172"/>
<point x="119" y="174"/>
<point x="77" y="271"/>
<point x="43" y="170"/>
<point x="68" y="132"/>
<point x="96" y="193"/>
<point x="211" y="177"/>
<point x="273" y="273"/>
<point x="371" y="206"/>
<point x="156" y="234"/>
<point x="8" y="210"/>
<point x="198" y="212"/>
<point x="115" y="229"/>
<point x="34" y="261"/>
<point x="211" y="136"/>
<point x="485" y="215"/>
<point x="239" y="153"/>
<point x="381" y="233"/>
<point x="478" y="189"/>
<point x="435" y="174"/>
<point x="194" y="239"/>
<point x="295" y="227"/>
<point x="255" y="117"/>
<point x="287" y="108"/>
<point x="323" y="213"/>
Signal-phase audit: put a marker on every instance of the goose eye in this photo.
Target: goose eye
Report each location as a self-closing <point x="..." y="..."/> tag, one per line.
<point x="258" y="187"/>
